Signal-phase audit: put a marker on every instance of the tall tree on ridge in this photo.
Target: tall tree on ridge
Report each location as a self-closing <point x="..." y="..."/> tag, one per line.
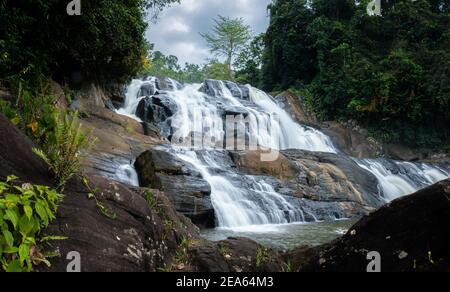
<point x="228" y="37"/>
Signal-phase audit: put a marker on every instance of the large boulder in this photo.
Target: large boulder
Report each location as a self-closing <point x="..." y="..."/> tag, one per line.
<point x="215" y="88"/>
<point x="410" y="234"/>
<point x="156" y="109"/>
<point x="234" y="255"/>
<point x="133" y="237"/>
<point x="188" y="191"/>
<point x="17" y="157"/>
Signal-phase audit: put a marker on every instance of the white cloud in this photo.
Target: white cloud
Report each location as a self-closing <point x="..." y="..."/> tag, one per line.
<point x="177" y="30"/>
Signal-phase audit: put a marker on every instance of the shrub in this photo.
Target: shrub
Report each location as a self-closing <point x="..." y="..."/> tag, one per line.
<point x="24" y="212"/>
<point x="32" y="112"/>
<point x="65" y="148"/>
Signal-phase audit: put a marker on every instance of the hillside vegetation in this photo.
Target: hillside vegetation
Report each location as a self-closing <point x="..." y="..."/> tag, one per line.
<point x="389" y="72"/>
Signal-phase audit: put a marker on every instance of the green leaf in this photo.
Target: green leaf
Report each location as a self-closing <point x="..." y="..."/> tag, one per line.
<point x="8" y="237"/>
<point x="40" y="209"/>
<point x="24" y="252"/>
<point x="28" y="211"/>
<point x="85" y="182"/>
<point x="50" y="238"/>
<point x="11" y="250"/>
<point x="12" y="216"/>
<point x="25" y="225"/>
<point x="14" y="267"/>
<point x="11" y="178"/>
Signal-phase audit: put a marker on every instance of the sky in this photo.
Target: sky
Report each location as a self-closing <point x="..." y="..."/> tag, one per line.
<point x="177" y="29"/>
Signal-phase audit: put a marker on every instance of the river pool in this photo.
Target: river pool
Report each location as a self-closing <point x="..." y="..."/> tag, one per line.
<point x="285" y="236"/>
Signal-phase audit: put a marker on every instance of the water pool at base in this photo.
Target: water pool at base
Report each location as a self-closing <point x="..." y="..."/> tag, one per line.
<point x="285" y="236"/>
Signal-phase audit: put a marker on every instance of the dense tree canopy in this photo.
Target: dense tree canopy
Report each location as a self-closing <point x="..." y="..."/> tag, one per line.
<point x="105" y="42"/>
<point x="390" y="72"/>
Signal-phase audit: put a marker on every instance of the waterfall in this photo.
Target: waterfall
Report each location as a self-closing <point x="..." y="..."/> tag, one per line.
<point x="128" y="175"/>
<point x="258" y="204"/>
<point x="398" y="178"/>
<point x="294" y="135"/>
<point x="196" y="118"/>
<point x="135" y="94"/>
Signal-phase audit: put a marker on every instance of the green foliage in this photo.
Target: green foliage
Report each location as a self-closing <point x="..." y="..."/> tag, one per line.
<point x="228" y="38"/>
<point x="32" y="112"/>
<point x="92" y="195"/>
<point x="106" y="42"/>
<point x="65" y="148"/>
<point x="249" y="61"/>
<point x="390" y="73"/>
<point x="224" y="250"/>
<point x="168" y="66"/>
<point x="287" y="267"/>
<point x="262" y="256"/>
<point x="215" y="69"/>
<point x="182" y="255"/>
<point x="25" y="211"/>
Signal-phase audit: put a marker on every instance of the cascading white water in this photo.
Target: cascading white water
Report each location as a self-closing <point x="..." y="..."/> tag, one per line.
<point x="268" y="125"/>
<point x="133" y="97"/>
<point x="294" y="136"/>
<point x="237" y="207"/>
<point x="407" y="178"/>
<point x="201" y="115"/>
<point x="128" y="175"/>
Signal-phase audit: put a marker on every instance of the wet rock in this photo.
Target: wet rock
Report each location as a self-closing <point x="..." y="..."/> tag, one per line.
<point x="417" y="230"/>
<point x="238" y="91"/>
<point x="211" y="87"/>
<point x="188" y="191"/>
<point x="151" y="163"/>
<point x="156" y="109"/>
<point x="147" y="89"/>
<point x="330" y="186"/>
<point x="399" y="152"/>
<point x="215" y="88"/>
<point x="296" y="107"/>
<point x="251" y="162"/>
<point x="168" y="84"/>
<point x="191" y="197"/>
<point x="119" y="140"/>
<point x="235" y="254"/>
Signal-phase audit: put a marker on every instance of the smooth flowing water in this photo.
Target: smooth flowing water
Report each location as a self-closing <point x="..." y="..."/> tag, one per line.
<point x="256" y="204"/>
<point x="285" y="236"/>
<point x="397" y="178"/>
<point x="199" y="132"/>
